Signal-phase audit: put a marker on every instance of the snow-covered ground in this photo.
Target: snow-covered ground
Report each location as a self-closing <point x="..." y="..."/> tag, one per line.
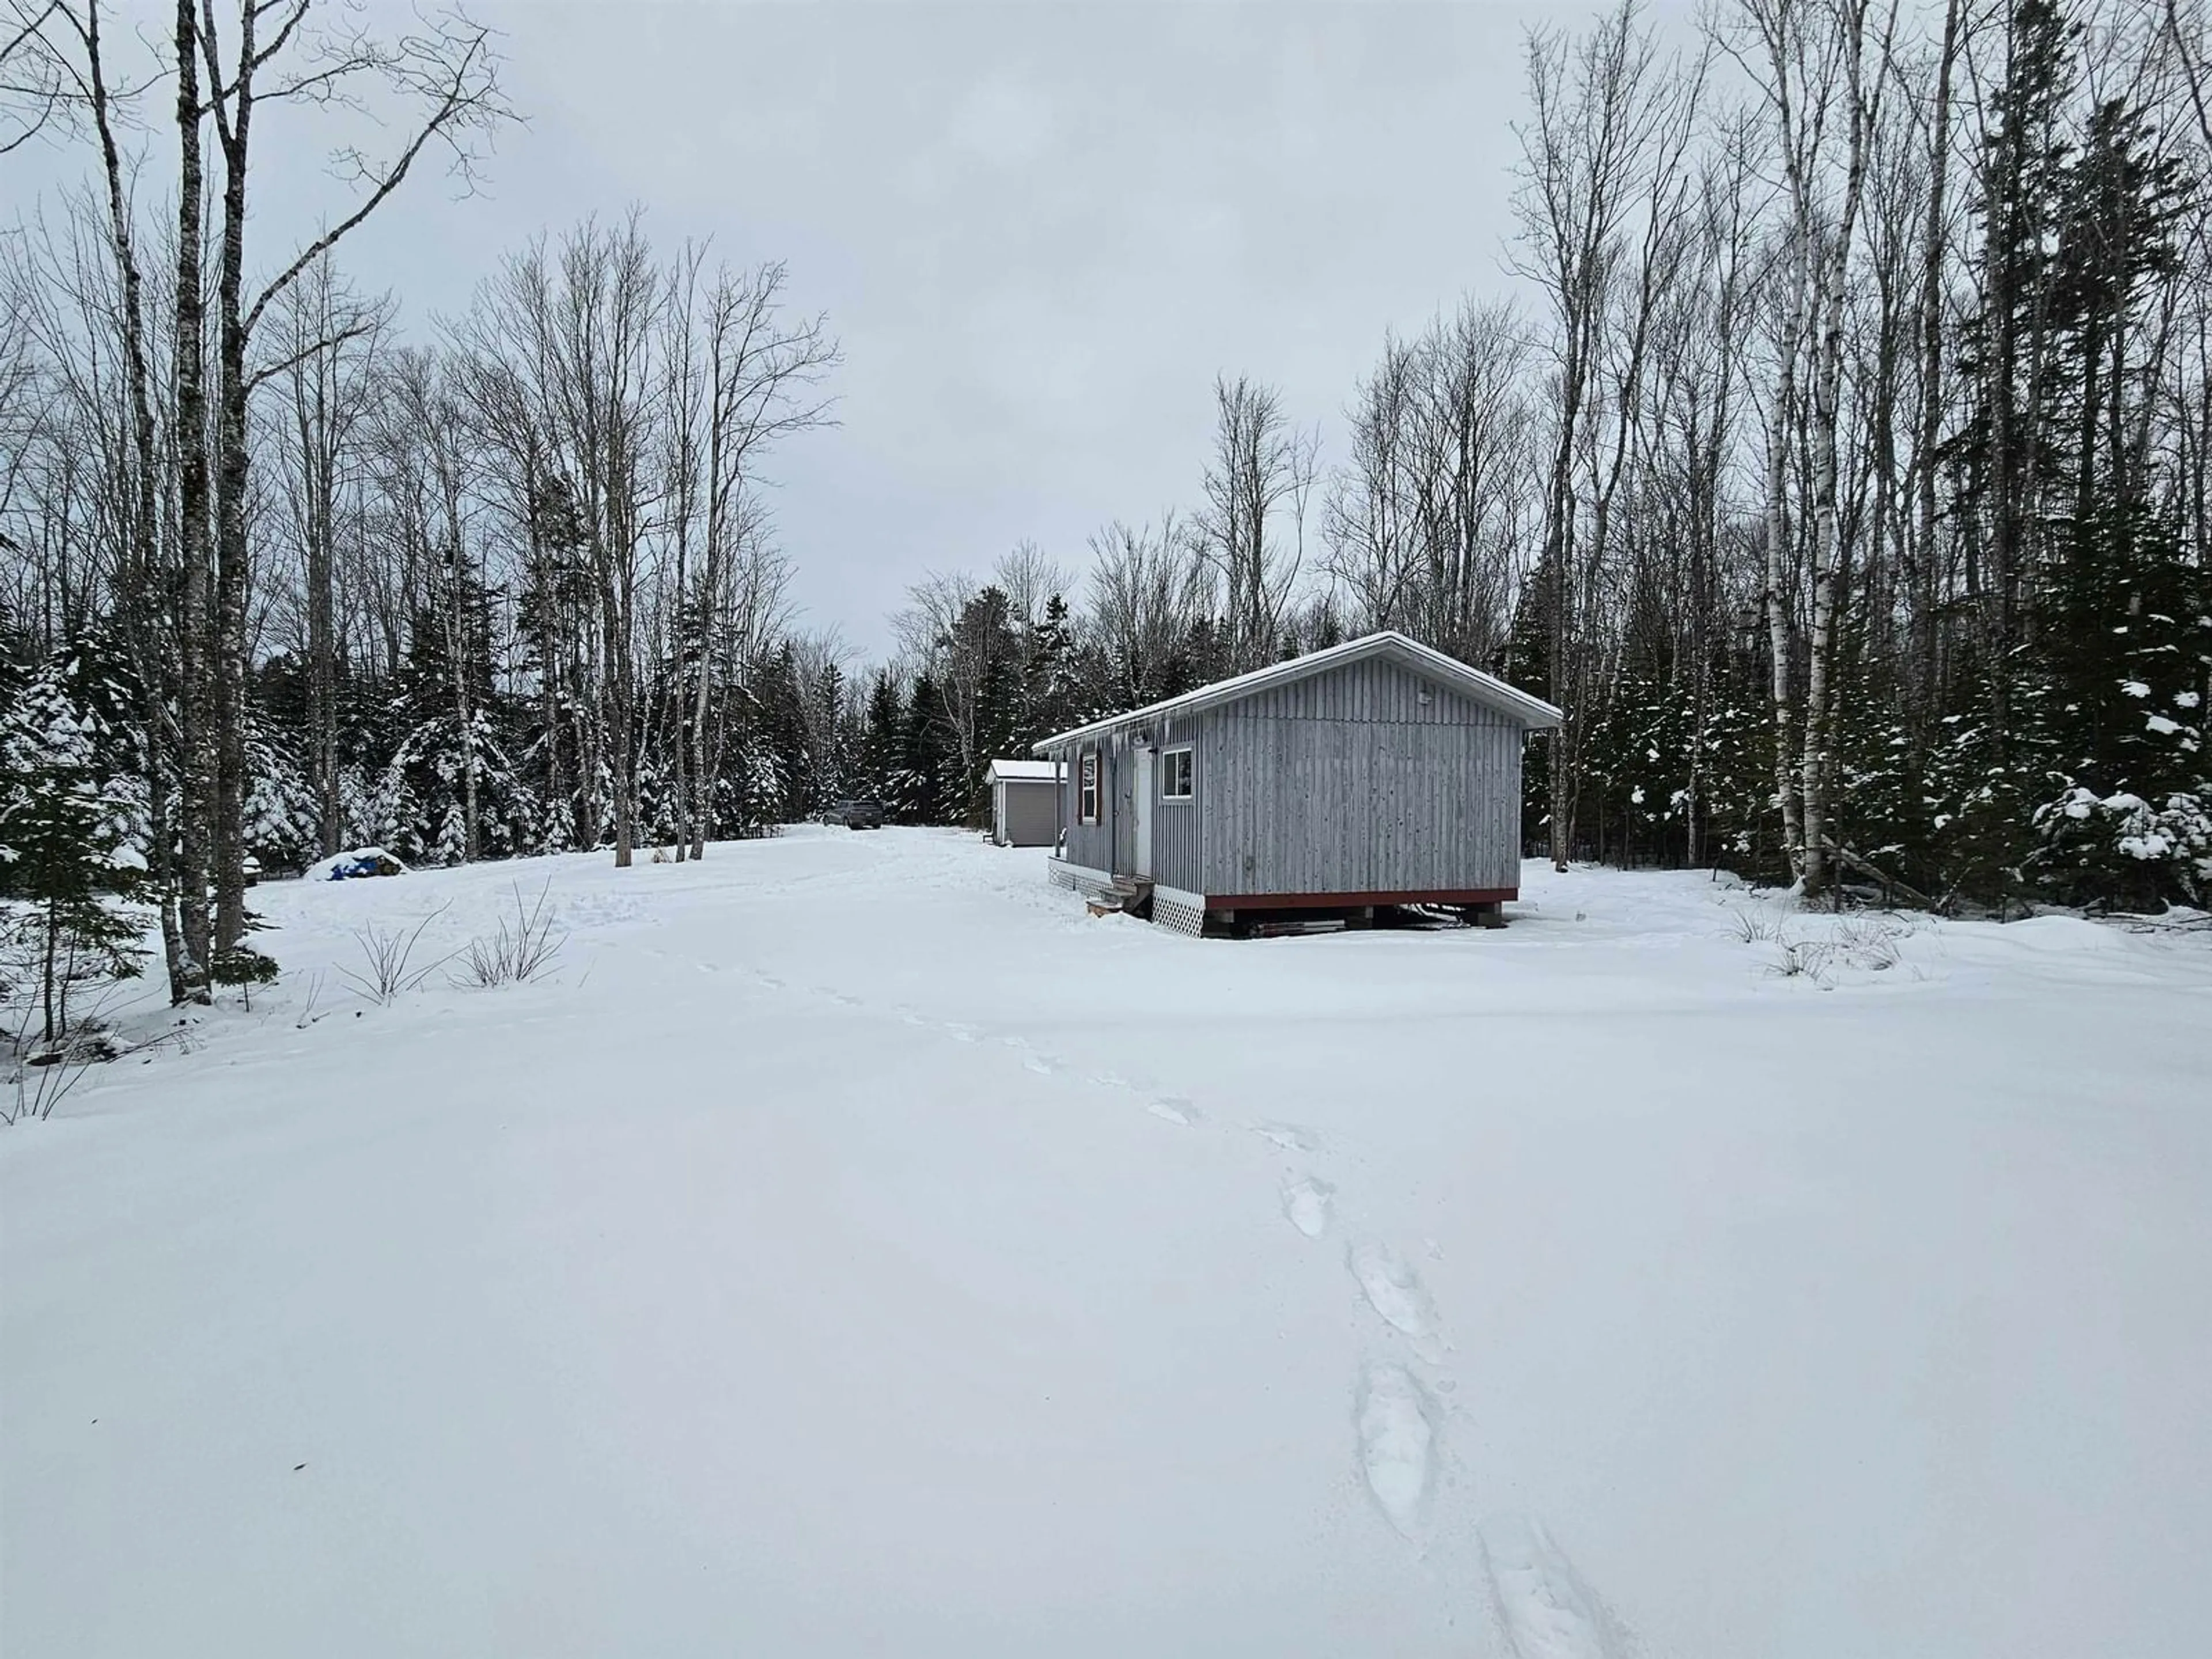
<point x="856" y="1248"/>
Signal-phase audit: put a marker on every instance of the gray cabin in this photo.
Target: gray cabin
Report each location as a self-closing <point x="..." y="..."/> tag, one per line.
<point x="1375" y="773"/>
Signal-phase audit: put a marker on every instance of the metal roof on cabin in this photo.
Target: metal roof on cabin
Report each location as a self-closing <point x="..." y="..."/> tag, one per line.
<point x="1488" y="688"/>
<point x="1026" y="771"/>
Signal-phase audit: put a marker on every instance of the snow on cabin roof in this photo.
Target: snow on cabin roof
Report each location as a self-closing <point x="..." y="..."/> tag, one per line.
<point x="1487" y="689"/>
<point x="1025" y="771"/>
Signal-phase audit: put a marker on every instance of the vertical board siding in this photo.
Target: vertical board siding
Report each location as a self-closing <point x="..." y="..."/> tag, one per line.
<point x="1366" y="778"/>
<point x="1176" y="835"/>
<point x="1111" y="845"/>
<point x="1122" y="810"/>
<point x="1091" y="845"/>
<point x="1347" y="782"/>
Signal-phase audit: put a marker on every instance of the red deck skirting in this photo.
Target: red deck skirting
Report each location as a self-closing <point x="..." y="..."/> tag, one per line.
<point x="1333" y="901"/>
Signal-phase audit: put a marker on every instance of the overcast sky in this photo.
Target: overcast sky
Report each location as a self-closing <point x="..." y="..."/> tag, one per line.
<point x="1039" y="230"/>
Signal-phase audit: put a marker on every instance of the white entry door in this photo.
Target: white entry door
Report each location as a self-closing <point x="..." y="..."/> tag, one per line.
<point x="1146" y="760"/>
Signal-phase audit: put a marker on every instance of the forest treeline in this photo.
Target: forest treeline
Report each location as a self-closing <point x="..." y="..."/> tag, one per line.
<point x="1837" y="465"/>
<point x="1833" y="453"/>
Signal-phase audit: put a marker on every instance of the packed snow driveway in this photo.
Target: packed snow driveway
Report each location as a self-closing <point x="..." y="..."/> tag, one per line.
<point x="854" y="1249"/>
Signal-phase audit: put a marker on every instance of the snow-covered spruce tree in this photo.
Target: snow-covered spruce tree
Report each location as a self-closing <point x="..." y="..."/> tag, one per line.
<point x="877" y="758"/>
<point x="747" y="789"/>
<point x="1879" y="815"/>
<point x="2130" y="825"/>
<point x="283" y="808"/>
<point x="67" y="854"/>
<point x="1055" y="693"/>
<point x="1737" y="825"/>
<point x="834" y="759"/>
<point x="780" y="717"/>
<point x="1636" y="755"/>
<point x="2119" y="659"/>
<point x="926" y="758"/>
<point x="420" y="804"/>
<point x="1978" y="799"/>
<point x="2088" y="714"/>
<point x="449" y="792"/>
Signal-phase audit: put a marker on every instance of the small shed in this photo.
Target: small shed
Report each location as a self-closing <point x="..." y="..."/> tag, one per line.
<point x="1376" y="773"/>
<point x="1024" y="802"/>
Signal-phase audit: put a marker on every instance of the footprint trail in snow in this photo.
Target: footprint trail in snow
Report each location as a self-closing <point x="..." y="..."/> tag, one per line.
<point x="1545" y="1610"/>
<point x="1307" y="1205"/>
<point x="1395" y="1290"/>
<point x="1172" y="1109"/>
<point x="1397" y="1433"/>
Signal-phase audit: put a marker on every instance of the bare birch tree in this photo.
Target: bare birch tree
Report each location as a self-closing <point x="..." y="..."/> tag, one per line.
<point x="743" y="373"/>
<point x="1824" y="95"/>
<point x="1603" y="180"/>
<point x="273" y="55"/>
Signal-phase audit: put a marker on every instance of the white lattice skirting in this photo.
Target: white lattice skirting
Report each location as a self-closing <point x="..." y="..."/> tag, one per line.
<point x="1171" y="907"/>
<point x="1183" y="912"/>
<point x="1076" y="878"/>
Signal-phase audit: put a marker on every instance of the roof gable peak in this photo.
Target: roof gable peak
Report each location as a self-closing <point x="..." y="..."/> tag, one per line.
<point x="1530" y="712"/>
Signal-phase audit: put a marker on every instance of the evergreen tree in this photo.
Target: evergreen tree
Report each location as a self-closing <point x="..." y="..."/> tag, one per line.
<point x="879" y="752"/>
<point x="449" y="792"/>
<point x="283" y="814"/>
<point x="67" y="852"/>
<point x="1054" y="689"/>
<point x="833" y="760"/>
<point x="928" y="765"/>
<point x="1526" y="662"/>
<point x="788" y="736"/>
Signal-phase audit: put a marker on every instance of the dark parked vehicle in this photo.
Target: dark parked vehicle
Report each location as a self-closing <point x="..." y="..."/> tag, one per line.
<point x="856" y="814"/>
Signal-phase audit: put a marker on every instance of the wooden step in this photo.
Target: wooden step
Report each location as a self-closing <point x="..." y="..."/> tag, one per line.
<point x="1129" y="895"/>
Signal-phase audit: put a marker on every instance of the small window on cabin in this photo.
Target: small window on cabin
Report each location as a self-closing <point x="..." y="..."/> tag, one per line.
<point x="1174" y="774"/>
<point x="1087" y="798"/>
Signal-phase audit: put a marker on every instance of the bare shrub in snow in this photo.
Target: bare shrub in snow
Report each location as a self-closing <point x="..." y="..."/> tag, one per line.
<point x="1755" y="926"/>
<point x="308" y="1014"/>
<point x="1801" y="958"/>
<point x="519" y="951"/>
<point x="43" y="1070"/>
<point x="389" y="970"/>
<point x="1872" y="940"/>
<point x="44" y="1076"/>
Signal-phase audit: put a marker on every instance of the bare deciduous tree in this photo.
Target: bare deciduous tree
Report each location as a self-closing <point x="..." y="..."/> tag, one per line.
<point x="743" y="374"/>
<point x="1425" y="521"/>
<point x="328" y="341"/>
<point x="1262" y="470"/>
<point x="1604" y="180"/>
<point x="1151" y="586"/>
<point x="1818" y="81"/>
<point x="273" y="55"/>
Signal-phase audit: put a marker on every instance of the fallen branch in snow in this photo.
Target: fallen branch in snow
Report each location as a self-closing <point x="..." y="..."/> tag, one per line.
<point x="2173" y="922"/>
<point x="1890" y="884"/>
